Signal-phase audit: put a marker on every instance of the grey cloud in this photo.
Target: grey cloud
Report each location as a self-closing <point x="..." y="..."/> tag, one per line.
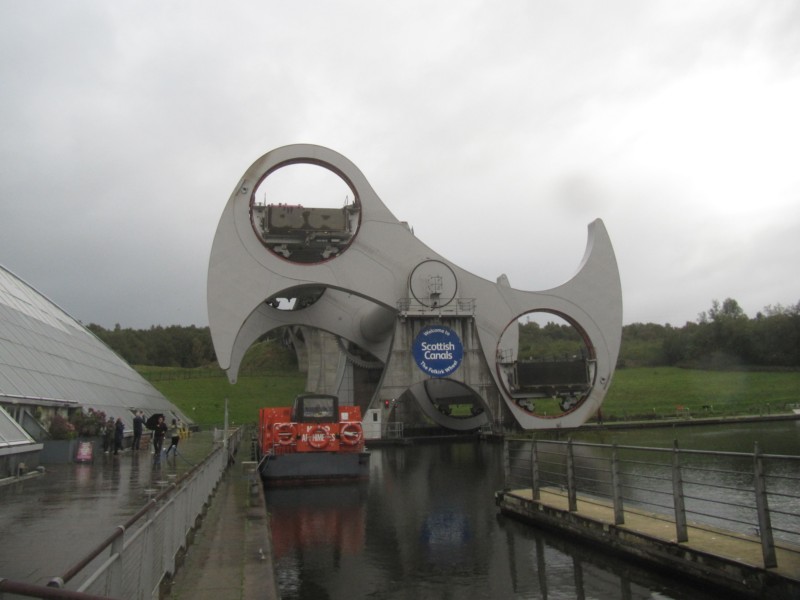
<point x="498" y="131"/>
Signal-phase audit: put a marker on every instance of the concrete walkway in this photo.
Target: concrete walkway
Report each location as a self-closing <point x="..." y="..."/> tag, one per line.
<point x="230" y="556"/>
<point x="50" y="521"/>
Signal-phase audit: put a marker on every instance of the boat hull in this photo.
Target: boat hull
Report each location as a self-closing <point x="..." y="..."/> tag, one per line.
<point x="310" y="468"/>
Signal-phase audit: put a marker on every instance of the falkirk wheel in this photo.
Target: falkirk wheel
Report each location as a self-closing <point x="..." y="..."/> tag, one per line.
<point x="384" y="322"/>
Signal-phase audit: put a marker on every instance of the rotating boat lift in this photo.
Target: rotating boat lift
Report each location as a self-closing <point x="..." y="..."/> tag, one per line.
<point x="353" y="288"/>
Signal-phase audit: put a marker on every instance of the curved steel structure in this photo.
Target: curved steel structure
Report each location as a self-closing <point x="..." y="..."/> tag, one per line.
<point x="361" y="275"/>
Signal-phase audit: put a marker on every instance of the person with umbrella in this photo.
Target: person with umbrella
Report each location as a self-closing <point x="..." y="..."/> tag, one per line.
<point x="159" y="428"/>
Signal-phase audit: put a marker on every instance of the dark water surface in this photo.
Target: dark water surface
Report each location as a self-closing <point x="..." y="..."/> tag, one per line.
<point x="425" y="526"/>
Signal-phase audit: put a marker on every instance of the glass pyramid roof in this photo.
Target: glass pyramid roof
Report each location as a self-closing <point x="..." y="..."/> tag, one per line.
<point x="49" y="358"/>
<point x="11" y="434"/>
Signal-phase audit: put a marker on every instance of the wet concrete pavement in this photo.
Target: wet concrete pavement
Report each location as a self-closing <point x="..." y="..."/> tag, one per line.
<point x="231" y="554"/>
<point x="50" y="521"/>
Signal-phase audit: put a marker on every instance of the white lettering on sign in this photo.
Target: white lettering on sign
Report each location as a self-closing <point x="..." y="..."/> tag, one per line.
<point x="438" y="350"/>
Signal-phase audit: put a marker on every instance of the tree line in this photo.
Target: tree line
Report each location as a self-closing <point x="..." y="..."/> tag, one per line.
<point x="722" y="337"/>
<point x="725" y="337"/>
<point x="173" y="346"/>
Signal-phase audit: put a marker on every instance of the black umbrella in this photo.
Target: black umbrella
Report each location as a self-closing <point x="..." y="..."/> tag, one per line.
<point x="152" y="421"/>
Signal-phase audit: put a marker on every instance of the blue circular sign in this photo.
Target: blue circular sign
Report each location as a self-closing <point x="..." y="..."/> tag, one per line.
<point x="438" y="351"/>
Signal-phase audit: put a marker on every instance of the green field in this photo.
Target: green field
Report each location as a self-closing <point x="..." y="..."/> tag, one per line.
<point x="635" y="394"/>
<point x="658" y="392"/>
<point x="203" y="398"/>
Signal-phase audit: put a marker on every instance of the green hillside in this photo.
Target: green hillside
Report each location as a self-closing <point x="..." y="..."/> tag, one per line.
<point x="635" y="394"/>
<point x="644" y="393"/>
<point x="203" y="397"/>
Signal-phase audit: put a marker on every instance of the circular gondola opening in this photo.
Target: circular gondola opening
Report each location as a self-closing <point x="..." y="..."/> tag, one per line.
<point x="304" y="213"/>
<point x="545" y="364"/>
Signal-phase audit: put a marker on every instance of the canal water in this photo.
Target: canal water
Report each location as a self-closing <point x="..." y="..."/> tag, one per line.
<point x="425" y="526"/>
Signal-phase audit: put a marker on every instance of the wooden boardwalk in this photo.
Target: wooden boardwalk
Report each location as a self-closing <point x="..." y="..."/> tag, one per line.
<point x="725" y="559"/>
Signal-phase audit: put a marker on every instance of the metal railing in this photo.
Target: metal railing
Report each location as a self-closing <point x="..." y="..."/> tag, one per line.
<point x="394" y="430"/>
<point x="133" y="560"/>
<point x="753" y="494"/>
<point x="460" y="307"/>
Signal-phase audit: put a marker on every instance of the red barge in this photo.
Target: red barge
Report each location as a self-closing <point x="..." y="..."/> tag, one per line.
<point x="313" y="441"/>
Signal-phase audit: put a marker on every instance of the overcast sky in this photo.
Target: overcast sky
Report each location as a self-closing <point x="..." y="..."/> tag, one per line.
<point x="498" y="130"/>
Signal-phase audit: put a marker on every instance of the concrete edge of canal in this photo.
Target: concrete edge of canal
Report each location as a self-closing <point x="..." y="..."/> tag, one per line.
<point x="702" y="563"/>
<point x="231" y="554"/>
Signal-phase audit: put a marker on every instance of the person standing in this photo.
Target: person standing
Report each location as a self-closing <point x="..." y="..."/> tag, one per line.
<point x="108" y="435"/>
<point x="159" y="432"/>
<point x="175" y="434"/>
<point x="138" y="424"/>
<point x="119" y="432"/>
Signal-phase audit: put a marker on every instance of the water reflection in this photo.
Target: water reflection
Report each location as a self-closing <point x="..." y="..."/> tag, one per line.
<point x="544" y="565"/>
<point x="425" y="526"/>
<point x="331" y="519"/>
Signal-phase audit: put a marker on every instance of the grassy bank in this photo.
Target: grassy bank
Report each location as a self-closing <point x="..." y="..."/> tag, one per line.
<point x="203" y="398"/>
<point x="658" y="392"/>
<point x="635" y="394"/>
